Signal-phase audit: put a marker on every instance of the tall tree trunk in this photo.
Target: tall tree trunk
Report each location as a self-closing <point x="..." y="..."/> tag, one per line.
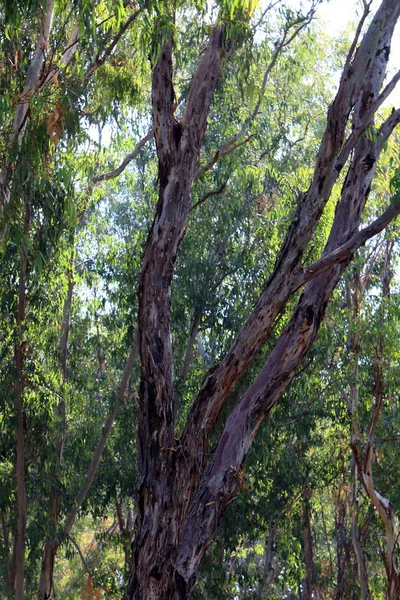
<point x="267" y="575"/>
<point x="308" y="546"/>
<point x="159" y="503"/>
<point x="21" y="418"/>
<point x="52" y="544"/>
<point x="182" y="493"/>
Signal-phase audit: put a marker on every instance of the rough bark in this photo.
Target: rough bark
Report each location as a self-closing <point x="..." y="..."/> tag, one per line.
<point x="221" y="481"/>
<point x="157" y="534"/>
<point x="181" y="497"/>
<point x="370" y="57"/>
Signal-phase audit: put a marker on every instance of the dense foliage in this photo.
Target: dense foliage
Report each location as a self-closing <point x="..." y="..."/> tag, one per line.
<point x="312" y="512"/>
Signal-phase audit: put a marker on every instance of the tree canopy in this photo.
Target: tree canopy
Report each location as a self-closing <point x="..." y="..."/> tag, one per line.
<point x="199" y="301"/>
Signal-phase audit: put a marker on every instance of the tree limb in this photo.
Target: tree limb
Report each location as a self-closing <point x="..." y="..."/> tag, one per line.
<point x="100" y="60"/>
<point x="131" y="156"/>
<point x="222" y="378"/>
<point x="92" y="470"/>
<point x="231" y="145"/>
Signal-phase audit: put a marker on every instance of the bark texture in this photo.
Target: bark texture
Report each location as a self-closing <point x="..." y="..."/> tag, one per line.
<point x="182" y="492"/>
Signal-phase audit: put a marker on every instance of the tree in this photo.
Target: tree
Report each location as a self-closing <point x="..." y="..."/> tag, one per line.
<point x="183" y="487"/>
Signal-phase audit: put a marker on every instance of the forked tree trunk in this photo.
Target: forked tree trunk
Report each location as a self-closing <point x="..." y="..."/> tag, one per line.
<point x="182" y="493"/>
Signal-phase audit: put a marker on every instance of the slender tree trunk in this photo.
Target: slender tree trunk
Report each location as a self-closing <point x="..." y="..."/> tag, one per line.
<point x="363" y="451"/>
<point x="189" y="349"/>
<point x="268" y="568"/>
<point x="358" y="549"/>
<point x="6" y="544"/>
<point x="354" y="299"/>
<point x="52" y="543"/>
<point x="343" y="546"/>
<point x="308" y="546"/>
<point x="21" y="419"/>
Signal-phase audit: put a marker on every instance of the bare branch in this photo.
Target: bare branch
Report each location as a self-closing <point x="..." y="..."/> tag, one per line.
<point x="100" y="60"/>
<point x="209" y="195"/>
<point x="231" y="145"/>
<point x="344" y="252"/>
<point x="129" y="158"/>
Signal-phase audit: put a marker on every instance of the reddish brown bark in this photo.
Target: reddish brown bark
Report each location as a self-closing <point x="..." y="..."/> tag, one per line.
<point x="157" y="535"/>
<point x="181" y="496"/>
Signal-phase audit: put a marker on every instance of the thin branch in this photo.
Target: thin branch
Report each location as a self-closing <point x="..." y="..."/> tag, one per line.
<point x="92" y="470"/>
<point x="231" y="145"/>
<point x="129" y="158"/>
<point x="209" y="195"/>
<point x="344" y="251"/>
<point x="107" y="52"/>
<point x="66" y="56"/>
<point x="225" y="150"/>
<point x="84" y="561"/>
<point x="353" y="46"/>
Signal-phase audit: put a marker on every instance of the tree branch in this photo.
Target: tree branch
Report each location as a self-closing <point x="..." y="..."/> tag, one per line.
<point x="92" y="470"/>
<point x="231" y="145"/>
<point x="347" y="250"/>
<point x="100" y="60"/>
<point x="129" y="158"/>
<point x="83" y="560"/>
<point x="209" y="195"/>
<point x="222" y="378"/>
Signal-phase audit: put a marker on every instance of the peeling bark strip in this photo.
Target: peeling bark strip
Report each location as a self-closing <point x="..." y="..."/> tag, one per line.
<point x="181" y="498"/>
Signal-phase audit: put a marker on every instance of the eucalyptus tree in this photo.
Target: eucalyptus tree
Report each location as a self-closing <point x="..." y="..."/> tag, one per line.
<point x="89" y="67"/>
<point x="182" y="491"/>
